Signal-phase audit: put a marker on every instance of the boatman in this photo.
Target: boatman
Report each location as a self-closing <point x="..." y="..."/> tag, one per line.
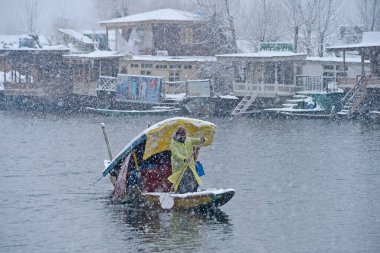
<point x="184" y="176"/>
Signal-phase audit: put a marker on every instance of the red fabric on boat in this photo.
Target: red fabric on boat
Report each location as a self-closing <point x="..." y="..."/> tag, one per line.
<point x="156" y="179"/>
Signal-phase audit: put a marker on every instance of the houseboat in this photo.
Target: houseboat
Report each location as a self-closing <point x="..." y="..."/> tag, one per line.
<point x="261" y="79"/>
<point x="362" y="92"/>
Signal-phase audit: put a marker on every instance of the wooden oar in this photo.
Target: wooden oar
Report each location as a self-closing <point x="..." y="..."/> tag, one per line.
<point x="107" y="141"/>
<point x="108" y="147"/>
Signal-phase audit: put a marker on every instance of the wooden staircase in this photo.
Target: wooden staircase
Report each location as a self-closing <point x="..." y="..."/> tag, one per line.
<point x="244" y="104"/>
<point x="352" y="100"/>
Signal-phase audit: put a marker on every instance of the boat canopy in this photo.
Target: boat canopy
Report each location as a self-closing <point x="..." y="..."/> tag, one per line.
<point x="157" y="138"/>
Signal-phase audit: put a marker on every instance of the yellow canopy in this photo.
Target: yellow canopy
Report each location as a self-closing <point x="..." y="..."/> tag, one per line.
<point x="158" y="136"/>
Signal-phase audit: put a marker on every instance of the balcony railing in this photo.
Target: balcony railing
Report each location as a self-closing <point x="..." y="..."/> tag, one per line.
<point x="107" y="83"/>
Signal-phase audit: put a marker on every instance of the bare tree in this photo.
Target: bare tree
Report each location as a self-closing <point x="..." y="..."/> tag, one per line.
<point x="266" y="21"/>
<point x="326" y="14"/>
<point x="296" y="18"/>
<point x="310" y="12"/>
<point x="220" y="21"/>
<point x="369" y="14"/>
<point x="31" y="16"/>
<point x="106" y="9"/>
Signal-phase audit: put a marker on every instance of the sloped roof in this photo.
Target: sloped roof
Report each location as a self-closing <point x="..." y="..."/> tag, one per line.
<point x="157" y="15"/>
<point x="77" y="36"/>
<point x="335" y="59"/>
<point x="174" y="58"/>
<point x="266" y="55"/>
<point x="370" y="39"/>
<point x="96" y="54"/>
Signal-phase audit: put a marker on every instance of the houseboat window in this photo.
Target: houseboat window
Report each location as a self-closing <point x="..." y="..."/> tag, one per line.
<point x="341" y="74"/>
<point x="173" y="75"/>
<point x="239" y="72"/>
<point x="142" y="72"/>
<point x="186" y="35"/>
<point x="269" y="71"/>
<point x="187" y="66"/>
<point x="288" y="74"/>
<point x="140" y="34"/>
<point x="157" y="66"/>
<point x="148" y="73"/>
<point x="328" y="67"/>
<point x="175" y="66"/>
<point x="340" y="68"/>
<point x="257" y="77"/>
<point x="328" y="74"/>
<point x="135" y="65"/>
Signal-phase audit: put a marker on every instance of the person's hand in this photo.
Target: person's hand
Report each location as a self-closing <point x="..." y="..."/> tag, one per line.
<point x="187" y="159"/>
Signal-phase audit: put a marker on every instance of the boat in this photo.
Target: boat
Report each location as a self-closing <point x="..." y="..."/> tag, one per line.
<point x="374" y="116"/>
<point x="309" y="104"/>
<point x="155" y="110"/>
<point x="140" y="171"/>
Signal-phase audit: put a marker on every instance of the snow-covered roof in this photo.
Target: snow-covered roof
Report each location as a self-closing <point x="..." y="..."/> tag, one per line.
<point x="174" y="58"/>
<point x="96" y="54"/>
<point x="370" y="39"/>
<point x="77" y="36"/>
<point x="335" y="59"/>
<point x="245" y="46"/>
<point x="12" y="41"/>
<point x="157" y="15"/>
<point x="265" y="54"/>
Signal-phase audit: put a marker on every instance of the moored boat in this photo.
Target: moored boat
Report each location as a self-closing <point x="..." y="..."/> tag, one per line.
<point x="155" y="110"/>
<point x="310" y="104"/>
<point x="140" y="171"/>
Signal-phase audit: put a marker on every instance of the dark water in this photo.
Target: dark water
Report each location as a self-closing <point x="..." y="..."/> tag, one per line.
<point x="301" y="186"/>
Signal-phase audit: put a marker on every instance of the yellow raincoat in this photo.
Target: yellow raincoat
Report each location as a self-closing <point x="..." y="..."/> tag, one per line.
<point x="180" y="151"/>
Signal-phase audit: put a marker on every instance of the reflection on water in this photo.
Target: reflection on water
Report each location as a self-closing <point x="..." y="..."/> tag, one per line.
<point x="168" y="231"/>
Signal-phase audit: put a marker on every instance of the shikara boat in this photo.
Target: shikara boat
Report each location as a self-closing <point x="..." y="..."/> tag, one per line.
<point x="140" y="171"/>
<point x="155" y="110"/>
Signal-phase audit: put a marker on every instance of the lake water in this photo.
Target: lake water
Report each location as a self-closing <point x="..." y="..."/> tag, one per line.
<point x="301" y="186"/>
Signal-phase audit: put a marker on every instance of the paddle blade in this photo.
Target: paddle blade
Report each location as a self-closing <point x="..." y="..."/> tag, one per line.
<point x="166" y="201"/>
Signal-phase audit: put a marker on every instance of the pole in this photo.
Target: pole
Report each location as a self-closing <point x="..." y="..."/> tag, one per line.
<point x="107" y="141"/>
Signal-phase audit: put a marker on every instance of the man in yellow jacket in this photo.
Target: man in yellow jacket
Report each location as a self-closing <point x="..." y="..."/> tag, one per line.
<point x="184" y="179"/>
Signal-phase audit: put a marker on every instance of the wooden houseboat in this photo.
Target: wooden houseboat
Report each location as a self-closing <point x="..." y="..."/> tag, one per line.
<point x="363" y="91"/>
<point x="179" y="33"/>
<point x="35" y="73"/>
<point x="261" y="79"/>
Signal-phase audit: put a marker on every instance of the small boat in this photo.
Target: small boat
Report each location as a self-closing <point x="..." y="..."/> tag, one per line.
<point x="375" y="116"/>
<point x="140" y="171"/>
<point x="310" y="105"/>
<point x="154" y="110"/>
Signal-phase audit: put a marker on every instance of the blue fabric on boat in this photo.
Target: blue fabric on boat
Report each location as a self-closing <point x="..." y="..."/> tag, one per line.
<point x="199" y="169"/>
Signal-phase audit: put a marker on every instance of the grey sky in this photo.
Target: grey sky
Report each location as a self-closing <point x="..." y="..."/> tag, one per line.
<point x="80" y="11"/>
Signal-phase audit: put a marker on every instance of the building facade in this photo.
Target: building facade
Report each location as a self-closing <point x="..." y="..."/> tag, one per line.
<point x="176" y="32"/>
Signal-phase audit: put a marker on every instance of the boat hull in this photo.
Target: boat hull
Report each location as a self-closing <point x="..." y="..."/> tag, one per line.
<point x="203" y="200"/>
<point x="158" y="111"/>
